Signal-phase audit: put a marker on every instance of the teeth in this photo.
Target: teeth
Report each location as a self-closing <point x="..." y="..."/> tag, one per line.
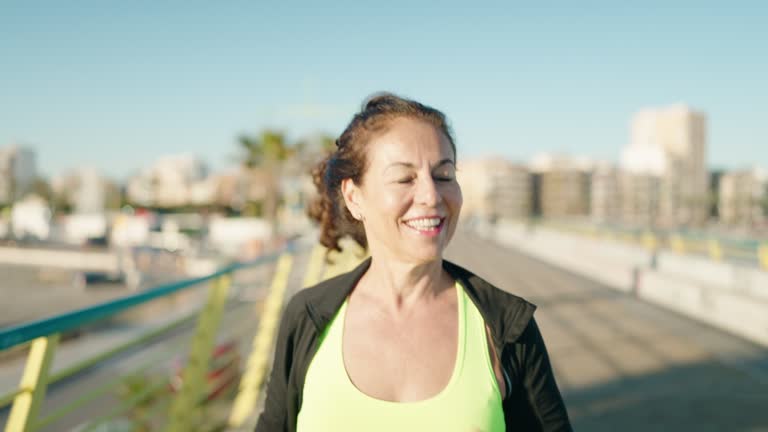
<point x="425" y="223"/>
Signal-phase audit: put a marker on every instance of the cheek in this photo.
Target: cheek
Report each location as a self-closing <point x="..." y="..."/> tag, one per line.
<point x="459" y="198"/>
<point x="391" y="204"/>
<point x="453" y="197"/>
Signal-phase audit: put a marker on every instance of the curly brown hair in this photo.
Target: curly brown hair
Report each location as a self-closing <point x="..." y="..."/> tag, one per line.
<point x="348" y="161"/>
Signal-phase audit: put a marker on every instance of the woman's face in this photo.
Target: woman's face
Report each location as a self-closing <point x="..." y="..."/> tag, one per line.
<point x="409" y="197"/>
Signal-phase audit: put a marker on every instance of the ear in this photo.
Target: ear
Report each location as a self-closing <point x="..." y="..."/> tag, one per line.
<point x="352" y="197"/>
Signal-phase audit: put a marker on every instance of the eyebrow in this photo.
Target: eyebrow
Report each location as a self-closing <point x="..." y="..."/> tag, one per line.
<point x="410" y="165"/>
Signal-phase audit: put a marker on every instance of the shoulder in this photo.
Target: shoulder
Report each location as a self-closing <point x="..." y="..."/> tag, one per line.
<point x="507" y="313"/>
<point x="482" y="286"/>
<point x="318" y="302"/>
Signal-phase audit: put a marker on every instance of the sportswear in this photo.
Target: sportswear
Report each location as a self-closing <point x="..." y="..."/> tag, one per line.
<point x="533" y="404"/>
<point x="470" y="401"/>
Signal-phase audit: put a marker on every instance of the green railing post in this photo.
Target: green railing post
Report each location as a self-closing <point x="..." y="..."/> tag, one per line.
<point x="184" y="413"/>
<point x="33" y="384"/>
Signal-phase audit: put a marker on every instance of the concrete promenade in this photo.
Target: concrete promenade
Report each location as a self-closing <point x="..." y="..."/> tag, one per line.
<point x="623" y="364"/>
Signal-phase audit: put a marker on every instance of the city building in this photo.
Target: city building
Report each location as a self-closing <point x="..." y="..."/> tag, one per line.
<point x="562" y="185"/>
<point x="639" y="203"/>
<point x="743" y="197"/>
<point x="169" y="182"/>
<point x="668" y="144"/>
<point x="494" y="188"/>
<point x="714" y="194"/>
<point x="203" y="192"/>
<point x="84" y="190"/>
<point x="31" y="218"/>
<point x="18" y="172"/>
<point x="229" y="187"/>
<point x="605" y="194"/>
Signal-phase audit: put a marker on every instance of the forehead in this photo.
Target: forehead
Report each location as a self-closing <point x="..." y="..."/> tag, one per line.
<point x="409" y="140"/>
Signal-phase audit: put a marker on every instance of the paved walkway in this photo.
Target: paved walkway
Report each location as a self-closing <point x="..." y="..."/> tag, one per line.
<point x="623" y="364"/>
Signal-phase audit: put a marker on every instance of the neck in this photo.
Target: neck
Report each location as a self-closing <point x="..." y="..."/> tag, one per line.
<point x="400" y="285"/>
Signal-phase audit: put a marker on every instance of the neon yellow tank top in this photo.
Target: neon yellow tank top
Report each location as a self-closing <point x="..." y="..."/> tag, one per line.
<point x="471" y="401"/>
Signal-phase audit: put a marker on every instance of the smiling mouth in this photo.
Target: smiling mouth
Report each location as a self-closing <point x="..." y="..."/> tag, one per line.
<point x="426" y="226"/>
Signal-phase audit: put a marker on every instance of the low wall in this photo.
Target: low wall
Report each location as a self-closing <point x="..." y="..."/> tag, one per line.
<point x="78" y="260"/>
<point x="744" y="279"/>
<point x="730" y="296"/>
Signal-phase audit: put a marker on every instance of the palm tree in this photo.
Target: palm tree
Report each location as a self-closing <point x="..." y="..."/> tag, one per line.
<point x="264" y="156"/>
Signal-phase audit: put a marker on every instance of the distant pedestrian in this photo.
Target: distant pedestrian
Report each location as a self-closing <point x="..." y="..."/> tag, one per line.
<point x="407" y="341"/>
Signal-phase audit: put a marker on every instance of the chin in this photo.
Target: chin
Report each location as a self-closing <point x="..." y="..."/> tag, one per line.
<point x="425" y="256"/>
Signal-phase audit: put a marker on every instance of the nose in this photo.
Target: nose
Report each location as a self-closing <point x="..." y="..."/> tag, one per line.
<point x="427" y="192"/>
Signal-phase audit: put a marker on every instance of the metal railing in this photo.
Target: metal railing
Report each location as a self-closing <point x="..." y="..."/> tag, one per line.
<point x="208" y="370"/>
<point x="43" y="339"/>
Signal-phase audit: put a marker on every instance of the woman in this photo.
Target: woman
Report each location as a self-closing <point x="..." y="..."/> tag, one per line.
<point x="406" y="341"/>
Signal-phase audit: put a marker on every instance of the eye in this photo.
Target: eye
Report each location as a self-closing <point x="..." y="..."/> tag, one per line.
<point x="405" y="180"/>
<point x="445" y="175"/>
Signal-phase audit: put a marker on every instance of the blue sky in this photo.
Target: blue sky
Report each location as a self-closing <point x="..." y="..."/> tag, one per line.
<point x="117" y="84"/>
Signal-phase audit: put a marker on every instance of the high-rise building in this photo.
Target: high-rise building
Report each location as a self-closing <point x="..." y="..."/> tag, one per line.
<point x="494" y="188"/>
<point x="511" y="192"/>
<point x="743" y="197"/>
<point x="18" y="171"/>
<point x="670" y="144"/>
<point x="83" y="189"/>
<point x="168" y="182"/>
<point x="714" y="194"/>
<point x="605" y="195"/>
<point x="640" y="194"/>
<point x="564" y="185"/>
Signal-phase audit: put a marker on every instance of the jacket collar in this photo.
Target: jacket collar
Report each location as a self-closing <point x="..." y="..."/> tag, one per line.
<point x="506" y="314"/>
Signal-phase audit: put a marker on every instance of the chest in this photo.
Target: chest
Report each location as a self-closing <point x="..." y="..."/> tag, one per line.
<point x="407" y="360"/>
<point x="429" y="372"/>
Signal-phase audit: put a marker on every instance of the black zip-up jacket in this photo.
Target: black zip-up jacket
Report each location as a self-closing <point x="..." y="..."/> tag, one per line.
<point x="533" y="402"/>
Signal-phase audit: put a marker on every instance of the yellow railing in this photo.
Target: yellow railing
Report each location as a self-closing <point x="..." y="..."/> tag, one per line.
<point x="317" y="269"/>
<point x="186" y="404"/>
